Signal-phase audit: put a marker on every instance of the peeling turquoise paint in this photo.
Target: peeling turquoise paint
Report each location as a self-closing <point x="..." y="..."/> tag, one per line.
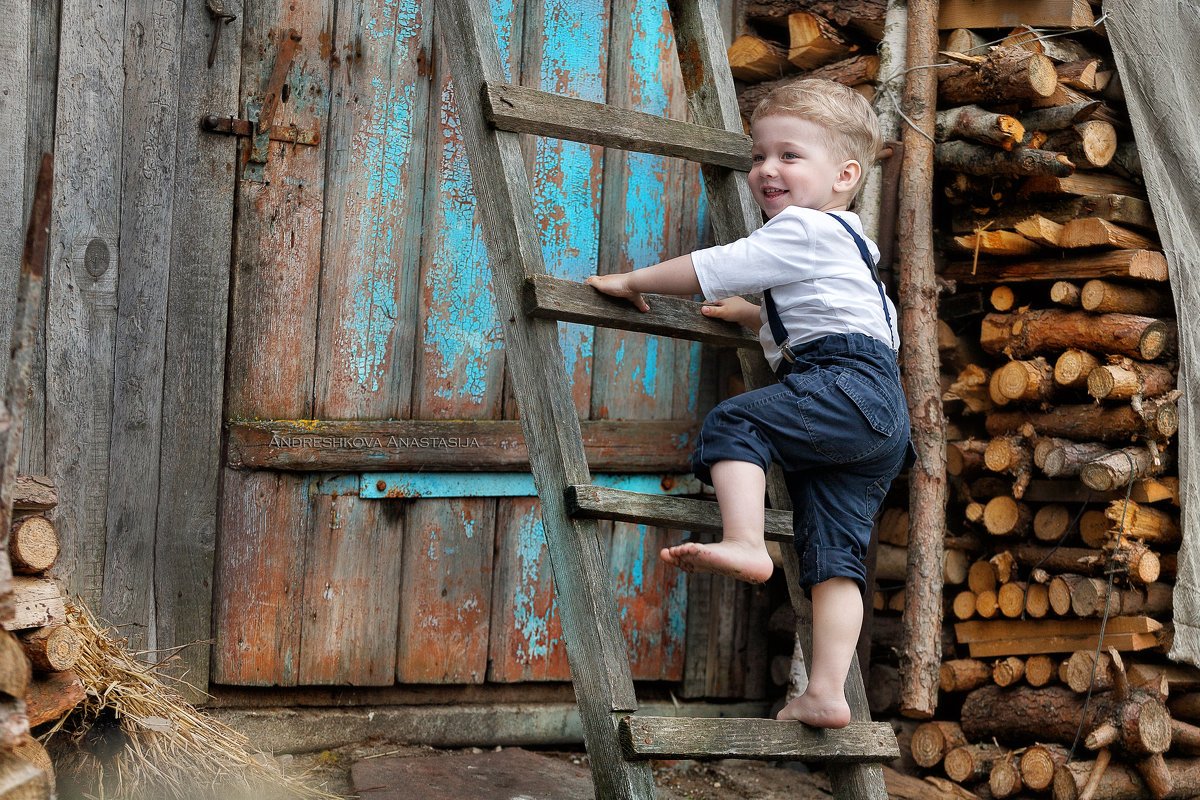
<point x="533" y="627"/>
<point x="409" y="485"/>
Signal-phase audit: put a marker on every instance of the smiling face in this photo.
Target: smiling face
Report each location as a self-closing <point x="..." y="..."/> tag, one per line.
<point x="793" y="166"/>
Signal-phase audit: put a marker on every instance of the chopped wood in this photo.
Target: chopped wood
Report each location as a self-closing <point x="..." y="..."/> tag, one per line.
<point x="52" y="695"/>
<point x="1006" y="566"/>
<point x="963" y="458"/>
<point x="962" y="40"/>
<point x="1092" y="595"/>
<point x="1011" y="598"/>
<point x="1101" y="296"/>
<point x="1124" y="782"/>
<point x="1157" y="418"/>
<point x="1088" y="144"/>
<point x="905" y="787"/>
<point x="1082" y="671"/>
<point x="975" y="159"/>
<point x="1004" y="75"/>
<point x="1147" y="264"/>
<point x="1065" y="293"/>
<point x="1091" y="232"/>
<point x="1041" y="230"/>
<point x="963" y="607"/>
<point x="932" y="740"/>
<point x="1038" y="763"/>
<point x="1051" y="522"/>
<point x="1008" y="671"/>
<point x="1128" y="379"/>
<point x="1005" y="779"/>
<point x="1039" y="670"/>
<point x="1127" y="160"/>
<point x="1157" y="776"/>
<point x="1007" y="516"/>
<point x="1073" y="366"/>
<point x="987" y="605"/>
<point x="813" y="41"/>
<point x="1028" y="380"/>
<point x="1140" y="564"/>
<point x="1153" y="490"/>
<point x="1132" y="211"/>
<point x="997" y="243"/>
<point x="1036" y="331"/>
<point x="851" y="72"/>
<point x="1056" y="118"/>
<point x="1060" y="49"/>
<point x="971" y="387"/>
<point x="891" y="563"/>
<point x="1062" y="588"/>
<point x="893" y="527"/>
<point x="31" y="751"/>
<point x="14" y="667"/>
<point x="38" y="602"/>
<point x="999" y="14"/>
<point x="1069" y="458"/>
<point x="866" y="16"/>
<point x="954" y="567"/>
<point x="1180" y="677"/>
<point x="1081" y="75"/>
<point x="980" y="125"/>
<point x="990" y="638"/>
<point x="1119" y="467"/>
<point x="21" y="779"/>
<point x="33" y="545"/>
<point x="982" y="577"/>
<point x="34" y="493"/>
<point x="752" y="58"/>
<point x="1144" y="522"/>
<point x="54" y="647"/>
<point x="1082" y="183"/>
<point x="971" y="762"/>
<point x="1095" y="529"/>
<point x="1002" y="298"/>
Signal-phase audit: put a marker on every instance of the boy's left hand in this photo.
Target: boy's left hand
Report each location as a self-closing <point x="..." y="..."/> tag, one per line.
<point x="617" y="285"/>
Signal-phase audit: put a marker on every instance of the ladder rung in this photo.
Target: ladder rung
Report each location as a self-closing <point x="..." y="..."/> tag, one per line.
<point x="524" y="110"/>
<point x="555" y="298"/>
<point x="691" y="737"/>
<point x="702" y="516"/>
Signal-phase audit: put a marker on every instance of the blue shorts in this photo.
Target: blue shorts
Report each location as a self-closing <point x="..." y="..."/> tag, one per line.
<point x="837" y="424"/>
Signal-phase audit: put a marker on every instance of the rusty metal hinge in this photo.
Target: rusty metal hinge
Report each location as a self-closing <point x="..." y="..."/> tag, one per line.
<point x="258" y="127"/>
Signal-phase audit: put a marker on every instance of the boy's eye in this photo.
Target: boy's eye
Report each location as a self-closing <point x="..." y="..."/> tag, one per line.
<point x="756" y="158"/>
<point x="789" y="155"/>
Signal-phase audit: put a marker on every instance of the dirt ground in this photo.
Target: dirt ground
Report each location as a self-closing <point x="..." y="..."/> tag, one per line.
<point x="678" y="780"/>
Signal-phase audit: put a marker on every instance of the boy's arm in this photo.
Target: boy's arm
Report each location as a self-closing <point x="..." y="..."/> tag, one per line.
<point x="673" y="276"/>
<point x="734" y="309"/>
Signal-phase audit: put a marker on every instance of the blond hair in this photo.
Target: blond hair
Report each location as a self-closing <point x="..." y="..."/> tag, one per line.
<point x="849" y="122"/>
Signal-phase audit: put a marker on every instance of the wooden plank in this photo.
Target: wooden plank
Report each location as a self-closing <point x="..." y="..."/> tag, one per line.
<point x="1062" y="644"/>
<point x="82" y="293"/>
<point x="553" y="298"/>
<point x="599" y="502"/>
<point x="446" y="586"/>
<point x="684" y="737"/>
<point x="651" y="599"/>
<point x="525" y="110"/>
<point x="351" y="606"/>
<point x="259" y="578"/>
<point x="15" y="66"/>
<point x="973" y="631"/>
<point x="526" y="642"/>
<point x="150" y="125"/>
<point x="197" y="305"/>
<point x="1112" y="207"/>
<point x="373" y="211"/>
<point x="43" y="46"/>
<point x="1008" y="13"/>
<point x="1082" y="183"/>
<point x="39" y="602"/>
<point x="337" y="445"/>
<point x="1146" y="264"/>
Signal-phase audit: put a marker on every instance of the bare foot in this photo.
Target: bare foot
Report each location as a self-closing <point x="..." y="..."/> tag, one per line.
<point x="744" y="562"/>
<point x="818" y="712"/>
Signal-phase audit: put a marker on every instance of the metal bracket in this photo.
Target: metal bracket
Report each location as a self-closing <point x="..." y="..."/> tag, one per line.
<point x="258" y="127"/>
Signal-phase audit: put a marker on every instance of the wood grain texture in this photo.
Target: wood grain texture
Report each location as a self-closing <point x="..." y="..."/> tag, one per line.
<point x="82" y="284"/>
<point x="446" y="591"/>
<point x="681" y="737"/>
<point x="373" y="210"/>
<point x="150" y="123"/>
<point x="350" y="602"/>
<point x="335" y="445"/>
<point x="600" y="502"/>
<point x="14" y="125"/>
<point x="652" y="600"/>
<point x="525" y="110"/>
<point x="197" y="304"/>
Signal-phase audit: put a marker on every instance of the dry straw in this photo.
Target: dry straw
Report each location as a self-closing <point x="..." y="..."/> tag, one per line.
<point x="165" y="748"/>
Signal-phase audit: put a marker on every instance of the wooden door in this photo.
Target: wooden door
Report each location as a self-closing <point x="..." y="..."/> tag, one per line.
<point x="363" y="340"/>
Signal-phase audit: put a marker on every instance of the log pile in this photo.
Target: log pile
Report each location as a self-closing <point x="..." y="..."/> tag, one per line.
<point x="37" y="649"/>
<point x="1058" y="353"/>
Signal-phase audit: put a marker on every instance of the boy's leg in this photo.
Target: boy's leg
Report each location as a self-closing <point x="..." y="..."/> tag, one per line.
<point x="837" y="620"/>
<point x="742" y="552"/>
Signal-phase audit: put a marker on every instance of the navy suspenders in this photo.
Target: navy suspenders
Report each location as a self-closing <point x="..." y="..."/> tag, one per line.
<point x="779" y="331"/>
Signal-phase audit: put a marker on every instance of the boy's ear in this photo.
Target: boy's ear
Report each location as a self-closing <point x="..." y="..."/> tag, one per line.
<point x="847" y="179"/>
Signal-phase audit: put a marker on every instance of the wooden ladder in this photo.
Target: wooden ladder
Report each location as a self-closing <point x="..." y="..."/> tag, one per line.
<point x="530" y="302"/>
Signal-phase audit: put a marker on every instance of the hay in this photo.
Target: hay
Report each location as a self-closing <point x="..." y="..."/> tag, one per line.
<point x="135" y="737"/>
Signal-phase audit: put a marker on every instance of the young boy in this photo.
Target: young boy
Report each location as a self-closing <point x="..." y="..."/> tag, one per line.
<point x="837" y="422"/>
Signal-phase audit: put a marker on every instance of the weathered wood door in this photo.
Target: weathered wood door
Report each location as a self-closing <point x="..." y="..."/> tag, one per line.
<point x="363" y="347"/>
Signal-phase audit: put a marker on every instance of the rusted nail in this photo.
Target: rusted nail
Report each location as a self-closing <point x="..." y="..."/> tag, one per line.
<point x="381" y="485"/>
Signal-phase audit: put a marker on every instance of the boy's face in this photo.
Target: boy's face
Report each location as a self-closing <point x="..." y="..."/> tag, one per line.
<point x="792" y="166"/>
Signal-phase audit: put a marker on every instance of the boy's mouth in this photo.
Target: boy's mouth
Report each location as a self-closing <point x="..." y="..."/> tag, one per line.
<point x="771" y="192"/>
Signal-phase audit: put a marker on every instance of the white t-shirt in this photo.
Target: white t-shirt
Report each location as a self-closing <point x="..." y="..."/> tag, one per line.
<point x="818" y="279"/>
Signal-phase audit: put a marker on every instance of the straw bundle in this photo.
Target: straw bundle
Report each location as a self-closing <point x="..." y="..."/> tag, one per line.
<point x="134" y="737"/>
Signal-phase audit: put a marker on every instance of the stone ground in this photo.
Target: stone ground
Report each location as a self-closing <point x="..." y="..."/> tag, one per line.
<point x="377" y="769"/>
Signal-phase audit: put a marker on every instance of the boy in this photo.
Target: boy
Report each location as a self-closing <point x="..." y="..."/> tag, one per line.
<point x="837" y="422"/>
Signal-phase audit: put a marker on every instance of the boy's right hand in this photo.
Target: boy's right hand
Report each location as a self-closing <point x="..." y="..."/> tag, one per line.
<point x="617" y="284"/>
<point x="733" y="309"/>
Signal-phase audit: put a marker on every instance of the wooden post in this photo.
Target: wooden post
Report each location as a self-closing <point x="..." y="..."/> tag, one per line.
<point x="921" y="656"/>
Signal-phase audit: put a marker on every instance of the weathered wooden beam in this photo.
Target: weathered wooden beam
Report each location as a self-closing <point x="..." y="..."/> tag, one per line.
<point x="351" y="445"/>
<point x="1147" y="264"/>
<point x="547" y="297"/>
<point x="525" y="110"/>
<point x="702" y="516"/>
<point x="681" y="737"/>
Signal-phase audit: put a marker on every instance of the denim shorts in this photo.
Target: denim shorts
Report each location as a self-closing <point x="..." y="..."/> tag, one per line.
<point x="837" y="424"/>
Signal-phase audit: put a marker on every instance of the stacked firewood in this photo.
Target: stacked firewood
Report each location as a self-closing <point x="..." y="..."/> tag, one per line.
<point x="37" y="650"/>
<point x="1058" y="356"/>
